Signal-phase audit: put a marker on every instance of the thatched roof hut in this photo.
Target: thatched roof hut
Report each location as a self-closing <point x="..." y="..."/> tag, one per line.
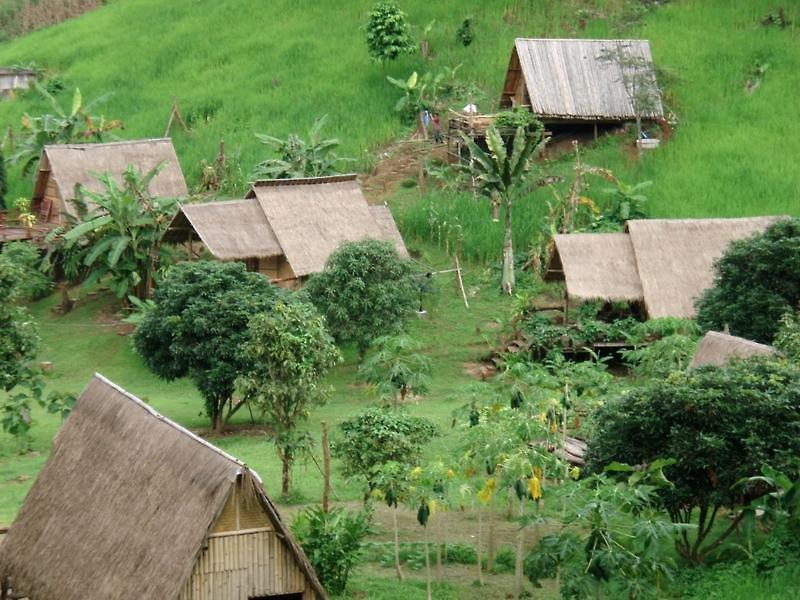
<point x="675" y="258"/>
<point x="600" y="266"/>
<point x="718" y="348"/>
<point x="132" y="505"/>
<point x="568" y="80"/>
<point x="287" y="228"/>
<point x="666" y="263"/>
<point x="62" y="167"/>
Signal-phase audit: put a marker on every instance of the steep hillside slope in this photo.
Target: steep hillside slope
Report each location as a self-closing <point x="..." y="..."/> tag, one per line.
<point x="248" y="66"/>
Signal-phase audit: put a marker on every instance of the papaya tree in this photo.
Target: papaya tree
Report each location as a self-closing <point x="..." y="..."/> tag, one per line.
<point x="397" y="368"/>
<point x="499" y="173"/>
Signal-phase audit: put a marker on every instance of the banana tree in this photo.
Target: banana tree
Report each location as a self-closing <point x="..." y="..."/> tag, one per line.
<point x="120" y="235"/>
<point x="298" y="158"/>
<point x="65" y="126"/>
<point x="499" y="173"/>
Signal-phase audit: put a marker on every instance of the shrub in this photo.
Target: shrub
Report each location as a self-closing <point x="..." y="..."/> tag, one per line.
<point x="25" y="259"/>
<point x="332" y="542"/>
<point x="720" y="424"/>
<point x="756" y="281"/>
<point x="365" y="291"/>
<point x="464" y="34"/>
<point x="388" y="33"/>
<point x="379" y="436"/>
<point x="660" y="358"/>
<point x="787" y="339"/>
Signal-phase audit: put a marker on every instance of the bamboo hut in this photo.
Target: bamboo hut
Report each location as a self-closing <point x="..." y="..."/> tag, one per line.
<point x="718" y="348"/>
<point x="571" y="81"/>
<point x="12" y="79"/>
<point x="286" y="228"/>
<point x="664" y="264"/>
<point x="65" y="167"/>
<point x="131" y="505"/>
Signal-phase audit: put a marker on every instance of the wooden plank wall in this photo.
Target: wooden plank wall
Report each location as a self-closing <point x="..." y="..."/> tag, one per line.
<point x="241" y="565"/>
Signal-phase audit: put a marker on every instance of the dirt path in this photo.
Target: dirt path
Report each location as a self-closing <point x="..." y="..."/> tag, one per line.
<point x="396" y="164"/>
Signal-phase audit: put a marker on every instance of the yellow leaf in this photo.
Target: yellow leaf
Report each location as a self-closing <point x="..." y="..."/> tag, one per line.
<point x="535" y="487"/>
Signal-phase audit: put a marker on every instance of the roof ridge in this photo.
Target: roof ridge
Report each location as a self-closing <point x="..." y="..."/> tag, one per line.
<point x="174" y="425"/>
<point x="527" y="39"/>
<point x="305" y="180"/>
<point x="114" y="143"/>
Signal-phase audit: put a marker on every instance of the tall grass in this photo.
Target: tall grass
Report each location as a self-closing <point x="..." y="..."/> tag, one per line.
<point x="250" y="66"/>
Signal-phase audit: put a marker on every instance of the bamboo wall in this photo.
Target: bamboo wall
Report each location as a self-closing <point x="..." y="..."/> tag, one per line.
<point x="245" y="557"/>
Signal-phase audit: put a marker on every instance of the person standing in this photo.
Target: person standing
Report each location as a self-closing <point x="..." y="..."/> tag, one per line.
<point x="437" y="128"/>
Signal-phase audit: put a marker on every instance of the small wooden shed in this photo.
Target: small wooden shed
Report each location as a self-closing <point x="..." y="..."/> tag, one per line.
<point x="15" y="79"/>
<point x="286" y="228"/>
<point x="718" y="348"/>
<point x="62" y="167"/>
<point x="130" y="505"/>
<point x="664" y="264"/>
<point x="568" y="80"/>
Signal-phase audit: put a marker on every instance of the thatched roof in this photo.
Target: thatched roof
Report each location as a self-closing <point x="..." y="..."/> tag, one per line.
<point x="599" y="266"/>
<point x="675" y="258"/>
<point x="79" y="164"/>
<point x="718" y="348"/>
<point x="123" y="505"/>
<point x="667" y="263"/>
<point x="231" y="230"/>
<point x="567" y="78"/>
<point x="312" y="217"/>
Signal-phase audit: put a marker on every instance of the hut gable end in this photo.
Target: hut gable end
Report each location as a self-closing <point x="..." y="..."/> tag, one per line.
<point x="66" y="166"/>
<point x="125" y="507"/>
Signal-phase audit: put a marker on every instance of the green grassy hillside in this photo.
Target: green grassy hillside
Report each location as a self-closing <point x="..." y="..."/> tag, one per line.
<point x="244" y="67"/>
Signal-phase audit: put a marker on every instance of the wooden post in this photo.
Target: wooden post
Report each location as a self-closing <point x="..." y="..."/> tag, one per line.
<point x="191" y="249"/>
<point x="326" y="468"/>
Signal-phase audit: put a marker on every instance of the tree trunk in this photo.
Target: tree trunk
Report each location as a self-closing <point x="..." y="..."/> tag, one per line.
<point x="326" y="468"/>
<point x="491" y="545"/>
<point x="286" y="476"/>
<point x="217" y="421"/>
<point x="507" y="283"/>
<point x="479" y="546"/>
<point x="428" y="564"/>
<point x="396" y="546"/>
<point x="520" y="549"/>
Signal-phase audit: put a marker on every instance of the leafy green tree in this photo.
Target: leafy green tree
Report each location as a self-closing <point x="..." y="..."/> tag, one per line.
<point x="66" y="126"/>
<point x="365" y="291"/>
<point x="397" y="368"/>
<point x="378" y="436"/>
<point x="787" y="339"/>
<point x="21" y="384"/>
<point x="720" y="424"/>
<point x="199" y="326"/>
<point x="756" y="282"/>
<point x="332" y="542"/>
<point x="290" y="351"/>
<point x="24" y="257"/>
<point x="499" y="174"/>
<point x="120" y="235"/>
<point x="300" y="158"/>
<point x="388" y="33"/>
